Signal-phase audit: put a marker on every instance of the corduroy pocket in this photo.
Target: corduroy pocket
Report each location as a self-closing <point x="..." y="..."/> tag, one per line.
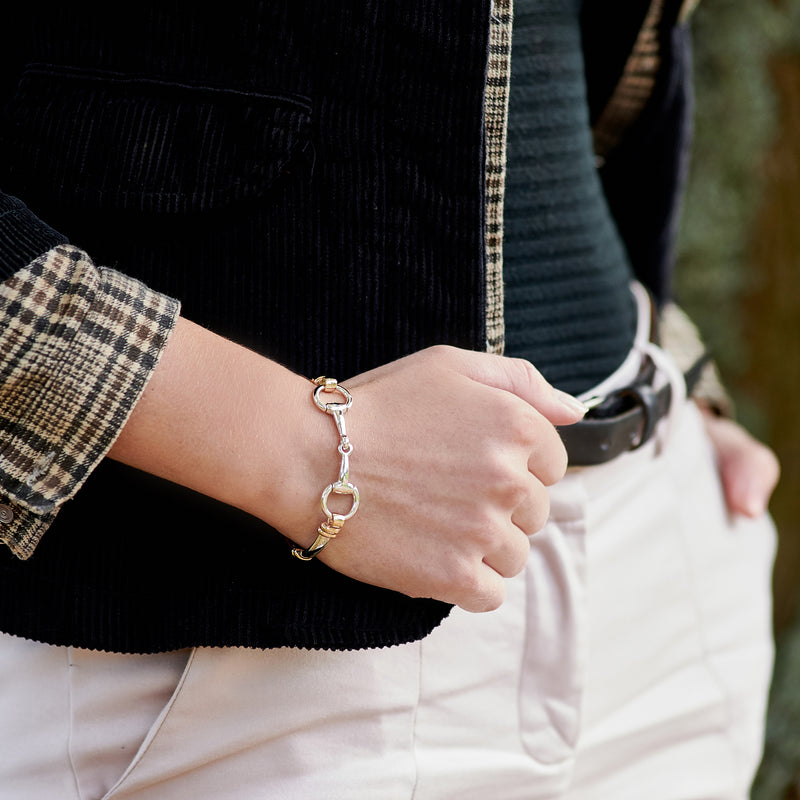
<point x="142" y="143"/>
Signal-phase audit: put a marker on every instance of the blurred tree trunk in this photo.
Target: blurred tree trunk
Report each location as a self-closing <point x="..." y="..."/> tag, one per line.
<point x="771" y="322"/>
<point x="771" y="317"/>
<point x="738" y="277"/>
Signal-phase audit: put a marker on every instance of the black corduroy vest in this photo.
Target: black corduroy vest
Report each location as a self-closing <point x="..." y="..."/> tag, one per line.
<point x="308" y="180"/>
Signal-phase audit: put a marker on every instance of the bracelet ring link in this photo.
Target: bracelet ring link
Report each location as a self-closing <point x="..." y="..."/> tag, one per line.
<point x="334" y="522"/>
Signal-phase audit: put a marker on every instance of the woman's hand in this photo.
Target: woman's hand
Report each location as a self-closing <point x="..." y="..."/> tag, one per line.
<point x="452" y="454"/>
<point x="748" y="469"/>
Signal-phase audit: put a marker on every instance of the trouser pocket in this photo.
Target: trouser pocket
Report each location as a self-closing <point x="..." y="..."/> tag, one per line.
<point x="117" y="702"/>
<point x="501" y="691"/>
<point x="283" y="723"/>
<point x="74" y="720"/>
<point x="551" y="682"/>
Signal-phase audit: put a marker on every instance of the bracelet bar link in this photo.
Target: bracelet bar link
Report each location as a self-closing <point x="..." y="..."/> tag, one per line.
<point x="334" y="522"/>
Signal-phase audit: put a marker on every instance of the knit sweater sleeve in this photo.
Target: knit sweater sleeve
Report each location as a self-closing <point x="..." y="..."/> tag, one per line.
<point x="78" y="344"/>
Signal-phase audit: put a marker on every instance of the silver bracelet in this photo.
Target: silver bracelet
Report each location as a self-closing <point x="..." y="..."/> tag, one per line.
<point x="333" y="523"/>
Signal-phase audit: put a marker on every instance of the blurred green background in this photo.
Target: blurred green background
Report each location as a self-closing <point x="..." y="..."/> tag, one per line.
<point x="737" y="276"/>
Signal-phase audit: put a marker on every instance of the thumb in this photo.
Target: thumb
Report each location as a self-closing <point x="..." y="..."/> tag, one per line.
<point x="521" y="378"/>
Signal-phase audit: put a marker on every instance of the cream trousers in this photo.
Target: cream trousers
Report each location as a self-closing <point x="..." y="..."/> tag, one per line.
<point x="631" y="660"/>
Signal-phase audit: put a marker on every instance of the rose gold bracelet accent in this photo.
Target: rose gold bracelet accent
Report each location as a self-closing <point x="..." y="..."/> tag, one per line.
<point x="333" y="523"/>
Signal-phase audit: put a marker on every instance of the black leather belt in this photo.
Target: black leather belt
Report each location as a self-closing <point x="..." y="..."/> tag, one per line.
<point x="623" y="420"/>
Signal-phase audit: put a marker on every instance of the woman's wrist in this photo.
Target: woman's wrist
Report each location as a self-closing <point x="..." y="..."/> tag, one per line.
<point x="233" y="425"/>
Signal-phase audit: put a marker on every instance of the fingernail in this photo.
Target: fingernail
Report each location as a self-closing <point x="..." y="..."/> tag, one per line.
<point x="572" y="403"/>
<point x="751" y="500"/>
<point x="754" y="504"/>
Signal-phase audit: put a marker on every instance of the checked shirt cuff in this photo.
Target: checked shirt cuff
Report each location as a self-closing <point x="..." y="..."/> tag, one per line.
<point x="681" y="339"/>
<point x="78" y="344"/>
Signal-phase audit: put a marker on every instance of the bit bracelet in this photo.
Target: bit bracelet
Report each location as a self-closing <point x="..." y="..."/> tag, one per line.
<point x="333" y="523"/>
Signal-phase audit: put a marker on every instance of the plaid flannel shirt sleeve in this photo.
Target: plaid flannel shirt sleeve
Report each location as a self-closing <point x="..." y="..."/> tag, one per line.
<point x="78" y="344"/>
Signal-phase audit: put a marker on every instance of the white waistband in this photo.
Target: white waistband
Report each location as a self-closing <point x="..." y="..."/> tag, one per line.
<point x="666" y="369"/>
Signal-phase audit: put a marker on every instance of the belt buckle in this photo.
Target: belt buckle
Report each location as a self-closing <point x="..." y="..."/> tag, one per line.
<point x="625" y="400"/>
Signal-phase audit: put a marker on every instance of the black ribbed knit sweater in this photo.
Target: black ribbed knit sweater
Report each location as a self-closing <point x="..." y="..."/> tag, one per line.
<point x="568" y="306"/>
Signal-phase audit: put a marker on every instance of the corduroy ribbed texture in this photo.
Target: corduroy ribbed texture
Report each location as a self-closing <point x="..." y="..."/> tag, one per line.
<point x="337" y="223"/>
<point x="23" y="236"/>
<point x="568" y="306"/>
<point x="309" y="181"/>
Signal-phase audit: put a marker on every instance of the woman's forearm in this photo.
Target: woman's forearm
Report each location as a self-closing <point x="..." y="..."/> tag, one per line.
<point x="452" y="451"/>
<point x="226" y="422"/>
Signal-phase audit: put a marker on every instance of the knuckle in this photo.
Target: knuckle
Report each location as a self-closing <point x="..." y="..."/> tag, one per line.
<point x="463" y="581"/>
<point x="518" y="557"/>
<point x="523" y="425"/>
<point x="558" y="466"/>
<point x="541" y="515"/>
<point x="485" y="536"/>
<point x="497" y="473"/>
<point x="440" y="352"/>
<point x="485" y="598"/>
<point x="520" y="415"/>
<point x="524" y="375"/>
<point x="538" y="511"/>
<point x="552" y="458"/>
<point x="491" y="602"/>
<point x="513" y="490"/>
